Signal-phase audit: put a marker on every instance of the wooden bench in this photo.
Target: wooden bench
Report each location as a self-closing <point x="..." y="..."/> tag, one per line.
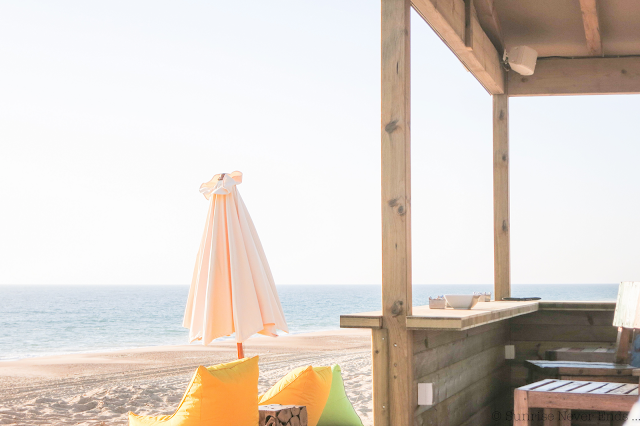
<point x="559" y="397"/>
<point x="627" y="320"/>
<point x="590" y="371"/>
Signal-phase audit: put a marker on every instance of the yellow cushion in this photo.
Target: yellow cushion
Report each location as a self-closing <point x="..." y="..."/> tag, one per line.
<point x="225" y="394"/>
<point x="306" y="386"/>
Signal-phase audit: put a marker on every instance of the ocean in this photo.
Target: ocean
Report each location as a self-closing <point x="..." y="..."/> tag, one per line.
<point x="51" y="320"/>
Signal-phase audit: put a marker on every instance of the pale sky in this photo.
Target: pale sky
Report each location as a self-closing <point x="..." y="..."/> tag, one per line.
<point x="113" y="113"/>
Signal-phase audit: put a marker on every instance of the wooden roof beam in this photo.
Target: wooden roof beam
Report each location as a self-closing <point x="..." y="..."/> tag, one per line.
<point x="591" y="26"/>
<point x="585" y="76"/>
<point x="478" y="54"/>
<point x="489" y="21"/>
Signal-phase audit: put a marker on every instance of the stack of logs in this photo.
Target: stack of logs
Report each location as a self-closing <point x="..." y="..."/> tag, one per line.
<point x="283" y="415"/>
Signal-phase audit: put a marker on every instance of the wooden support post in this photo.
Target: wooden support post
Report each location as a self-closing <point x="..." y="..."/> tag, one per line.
<point x="551" y="417"/>
<point x="623" y="345"/>
<point x="396" y="207"/>
<point x="501" y="224"/>
<point x="468" y="24"/>
<point x="380" y="370"/>
<point x="520" y="408"/>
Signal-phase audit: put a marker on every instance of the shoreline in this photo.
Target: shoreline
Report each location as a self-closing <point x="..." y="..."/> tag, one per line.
<point x="100" y="388"/>
<point x="256" y="342"/>
<point x="134" y="348"/>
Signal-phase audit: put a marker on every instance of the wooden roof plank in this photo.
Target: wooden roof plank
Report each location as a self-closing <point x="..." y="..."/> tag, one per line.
<point x="591" y="23"/>
<point x="580" y="76"/>
<point x="488" y="18"/>
<point x="447" y="18"/>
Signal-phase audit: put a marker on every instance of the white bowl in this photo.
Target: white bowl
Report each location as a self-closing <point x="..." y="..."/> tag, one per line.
<point x="462" y="301"/>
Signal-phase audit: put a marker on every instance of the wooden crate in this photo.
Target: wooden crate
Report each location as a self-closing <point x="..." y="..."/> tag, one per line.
<point x="282" y="415"/>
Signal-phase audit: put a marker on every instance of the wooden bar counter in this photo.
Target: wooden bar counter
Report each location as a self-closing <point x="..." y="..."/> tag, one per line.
<point x="472" y="359"/>
<point x="425" y="318"/>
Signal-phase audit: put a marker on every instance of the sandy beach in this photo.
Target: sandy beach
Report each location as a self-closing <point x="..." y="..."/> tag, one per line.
<point x="101" y="388"/>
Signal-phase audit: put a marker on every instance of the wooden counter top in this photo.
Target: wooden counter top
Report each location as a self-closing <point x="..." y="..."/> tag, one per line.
<point x="483" y="313"/>
<point x="463" y="319"/>
<point x="450" y="319"/>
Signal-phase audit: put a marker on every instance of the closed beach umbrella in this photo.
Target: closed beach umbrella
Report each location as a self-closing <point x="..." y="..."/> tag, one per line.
<point x="232" y="290"/>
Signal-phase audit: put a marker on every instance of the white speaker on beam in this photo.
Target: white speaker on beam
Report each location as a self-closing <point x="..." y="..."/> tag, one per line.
<point x="522" y="59"/>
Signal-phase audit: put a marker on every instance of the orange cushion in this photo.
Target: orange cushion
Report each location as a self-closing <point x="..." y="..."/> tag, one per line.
<point x="306" y="386"/>
<point x="225" y="394"/>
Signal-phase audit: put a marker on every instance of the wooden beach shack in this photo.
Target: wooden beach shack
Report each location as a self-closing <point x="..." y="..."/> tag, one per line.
<point x="584" y="47"/>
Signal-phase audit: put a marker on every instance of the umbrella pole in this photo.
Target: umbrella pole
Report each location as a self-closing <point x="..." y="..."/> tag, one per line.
<point x="240" y="351"/>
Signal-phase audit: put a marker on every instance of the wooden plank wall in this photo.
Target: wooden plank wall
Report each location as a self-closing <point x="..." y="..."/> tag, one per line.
<point x="469" y="374"/>
<point x="534" y="333"/>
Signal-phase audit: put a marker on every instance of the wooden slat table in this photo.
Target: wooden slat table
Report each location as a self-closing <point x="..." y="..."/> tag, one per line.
<point x="582" y="354"/>
<point x="574" y="370"/>
<point x="566" y="395"/>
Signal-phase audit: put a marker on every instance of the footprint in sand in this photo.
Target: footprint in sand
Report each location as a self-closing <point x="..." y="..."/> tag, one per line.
<point x="44" y="400"/>
<point x="79" y="408"/>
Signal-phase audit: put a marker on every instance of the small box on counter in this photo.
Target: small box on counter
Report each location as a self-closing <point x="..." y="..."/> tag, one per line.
<point x="484" y="297"/>
<point x="437" y="303"/>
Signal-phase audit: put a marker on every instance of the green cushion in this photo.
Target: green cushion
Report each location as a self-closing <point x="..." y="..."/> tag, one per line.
<point x="338" y="410"/>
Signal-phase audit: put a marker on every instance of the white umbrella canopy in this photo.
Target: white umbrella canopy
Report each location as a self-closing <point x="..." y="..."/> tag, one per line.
<point x="232" y="290"/>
